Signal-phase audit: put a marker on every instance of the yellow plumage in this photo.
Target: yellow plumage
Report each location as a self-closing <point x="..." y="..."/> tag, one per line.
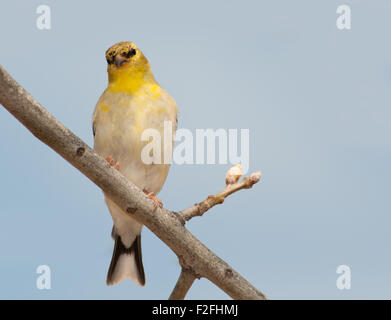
<point x="132" y="103"/>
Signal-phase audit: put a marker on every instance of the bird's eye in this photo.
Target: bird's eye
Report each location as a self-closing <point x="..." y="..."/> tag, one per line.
<point x="130" y="53"/>
<point x="110" y="57"/>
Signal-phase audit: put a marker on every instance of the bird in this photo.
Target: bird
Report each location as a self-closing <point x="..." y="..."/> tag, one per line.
<point x="132" y="103"/>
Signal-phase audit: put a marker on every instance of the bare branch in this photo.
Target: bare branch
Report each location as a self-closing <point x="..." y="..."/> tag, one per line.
<point x="124" y="193"/>
<point x="232" y="186"/>
<point x="185" y="281"/>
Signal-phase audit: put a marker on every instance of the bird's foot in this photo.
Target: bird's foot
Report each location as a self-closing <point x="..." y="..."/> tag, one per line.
<point x="111" y="162"/>
<point x="157" y="202"/>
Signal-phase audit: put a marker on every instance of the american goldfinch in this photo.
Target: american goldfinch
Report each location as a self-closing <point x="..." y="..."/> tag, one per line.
<point x="132" y="102"/>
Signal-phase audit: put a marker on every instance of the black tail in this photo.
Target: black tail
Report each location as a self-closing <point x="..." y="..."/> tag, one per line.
<point x="126" y="262"/>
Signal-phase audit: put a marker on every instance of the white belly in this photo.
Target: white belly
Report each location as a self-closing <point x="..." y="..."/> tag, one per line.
<point x="118" y="134"/>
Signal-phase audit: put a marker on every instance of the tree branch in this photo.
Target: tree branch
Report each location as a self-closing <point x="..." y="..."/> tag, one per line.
<point x="232" y="186"/>
<point x="165" y="224"/>
<point x="185" y="281"/>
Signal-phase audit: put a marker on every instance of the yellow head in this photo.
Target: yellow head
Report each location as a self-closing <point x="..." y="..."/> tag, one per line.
<point x="127" y="67"/>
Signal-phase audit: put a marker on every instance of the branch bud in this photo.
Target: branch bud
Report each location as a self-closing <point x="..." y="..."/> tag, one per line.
<point x="233" y="174"/>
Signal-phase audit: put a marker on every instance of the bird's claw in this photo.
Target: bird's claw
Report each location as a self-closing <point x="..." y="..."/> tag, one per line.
<point x="156" y="202"/>
<point x="112" y="163"/>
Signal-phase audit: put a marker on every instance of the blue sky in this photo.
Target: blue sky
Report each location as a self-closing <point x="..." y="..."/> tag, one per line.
<point x="315" y="99"/>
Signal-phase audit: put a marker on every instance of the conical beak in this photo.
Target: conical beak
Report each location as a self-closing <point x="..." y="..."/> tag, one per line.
<point x="119" y="60"/>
